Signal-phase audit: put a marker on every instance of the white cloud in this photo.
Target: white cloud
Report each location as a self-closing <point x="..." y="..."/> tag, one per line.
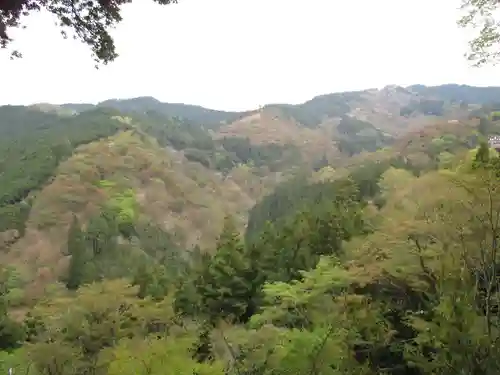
<point x="237" y="54"/>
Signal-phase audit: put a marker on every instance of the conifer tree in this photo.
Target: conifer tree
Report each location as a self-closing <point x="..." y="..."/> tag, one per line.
<point x="482" y="156"/>
<point x="77" y="250"/>
<point x="11" y="333"/>
<point x="226" y="284"/>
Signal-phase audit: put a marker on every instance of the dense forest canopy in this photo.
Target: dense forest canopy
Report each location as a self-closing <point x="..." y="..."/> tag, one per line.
<point x="384" y="266"/>
<point x="32" y="144"/>
<point x="329" y="284"/>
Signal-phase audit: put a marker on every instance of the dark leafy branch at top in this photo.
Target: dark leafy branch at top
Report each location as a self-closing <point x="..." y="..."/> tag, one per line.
<point x="90" y="21"/>
<point x="482" y="15"/>
<point x="87" y="20"/>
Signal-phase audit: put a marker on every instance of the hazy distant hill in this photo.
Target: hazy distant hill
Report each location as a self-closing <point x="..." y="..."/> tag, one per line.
<point x="459" y="93"/>
<point x="313" y="126"/>
<point x="192" y="113"/>
<point x="423" y="100"/>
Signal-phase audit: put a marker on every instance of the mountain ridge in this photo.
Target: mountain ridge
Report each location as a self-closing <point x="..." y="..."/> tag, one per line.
<point x="416" y="88"/>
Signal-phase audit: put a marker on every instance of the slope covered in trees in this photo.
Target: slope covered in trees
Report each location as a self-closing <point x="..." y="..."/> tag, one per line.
<point x="146" y="188"/>
<point x="32" y="144"/>
<point x="135" y="258"/>
<point x="338" y="286"/>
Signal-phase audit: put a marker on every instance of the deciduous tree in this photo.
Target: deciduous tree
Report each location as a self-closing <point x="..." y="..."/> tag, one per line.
<point x="87" y="21"/>
<point x="480" y="15"/>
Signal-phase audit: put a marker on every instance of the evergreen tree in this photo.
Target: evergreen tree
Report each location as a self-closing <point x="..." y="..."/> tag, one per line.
<point x="484" y="126"/>
<point x="11" y="333"/>
<point x="226" y="284"/>
<point x="100" y="234"/>
<point x="482" y="156"/>
<point x="77" y="250"/>
<point x="321" y="163"/>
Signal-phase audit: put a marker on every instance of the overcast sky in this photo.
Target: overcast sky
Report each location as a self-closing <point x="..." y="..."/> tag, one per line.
<point x="238" y="54"/>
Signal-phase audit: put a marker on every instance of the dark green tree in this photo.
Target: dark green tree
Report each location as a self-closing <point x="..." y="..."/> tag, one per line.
<point x="152" y="280"/>
<point x="225" y="286"/>
<point x="320" y="163"/>
<point x="11" y="332"/>
<point x="100" y="234"/>
<point x="482" y="156"/>
<point x="484" y="126"/>
<point x="78" y="252"/>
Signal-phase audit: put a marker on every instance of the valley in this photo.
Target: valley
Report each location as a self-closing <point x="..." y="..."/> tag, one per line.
<point x="321" y="238"/>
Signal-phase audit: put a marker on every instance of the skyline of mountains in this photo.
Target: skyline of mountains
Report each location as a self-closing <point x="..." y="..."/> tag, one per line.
<point x="450" y="91"/>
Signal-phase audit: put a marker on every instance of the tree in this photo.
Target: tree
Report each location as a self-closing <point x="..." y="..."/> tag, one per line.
<point x="461" y="328"/>
<point x="11" y="333"/>
<point x="154" y="356"/>
<point x="484" y="126"/>
<point x="479" y="14"/>
<point x="78" y="252"/>
<point x="482" y="155"/>
<point x="100" y="235"/>
<point x="88" y="21"/>
<point x="226" y="285"/>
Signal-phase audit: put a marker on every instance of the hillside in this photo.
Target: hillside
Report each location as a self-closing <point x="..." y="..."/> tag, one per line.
<point x="318" y="126"/>
<point x="138" y="165"/>
<point x="104" y="165"/>
<point x="347" y="123"/>
<point x="192" y="113"/>
<point x="183" y="199"/>
<point x="459" y="93"/>
<point x="325" y="238"/>
<point x="382" y="268"/>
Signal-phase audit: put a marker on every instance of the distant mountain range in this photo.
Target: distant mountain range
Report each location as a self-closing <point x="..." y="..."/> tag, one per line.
<point x="312" y="112"/>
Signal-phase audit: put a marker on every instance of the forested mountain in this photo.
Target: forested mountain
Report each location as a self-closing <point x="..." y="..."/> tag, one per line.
<point x="192" y="113"/>
<point x="436" y="100"/>
<point x="313" y="239"/>
<point x="459" y="93"/>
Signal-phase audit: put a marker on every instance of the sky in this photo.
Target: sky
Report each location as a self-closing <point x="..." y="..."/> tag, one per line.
<point x="239" y="54"/>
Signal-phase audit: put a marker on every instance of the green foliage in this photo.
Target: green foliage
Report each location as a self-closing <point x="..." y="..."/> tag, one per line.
<point x="225" y="284"/>
<point x="390" y="269"/>
<point x="32" y="144"/>
<point x="495" y="115"/>
<point x="123" y="208"/>
<point x="482" y="155"/>
<point x="174" y="132"/>
<point x="288" y="198"/>
<point x="169" y="356"/>
<point x="312" y="112"/>
<point x="14" y="216"/>
<point x="367" y="177"/>
<point x="244" y="152"/>
<point x="12" y="333"/>
<point x="357" y="136"/>
<point x="88" y="22"/>
<point x="351" y="125"/>
<point x="150" y="255"/>
<point x="222" y="155"/>
<point x="424" y="106"/>
<point x="79" y="256"/>
<point x="481" y="16"/>
<point x="153" y="281"/>
<point x="313" y="292"/>
<point x="484" y="126"/>
<point x="192" y="116"/>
